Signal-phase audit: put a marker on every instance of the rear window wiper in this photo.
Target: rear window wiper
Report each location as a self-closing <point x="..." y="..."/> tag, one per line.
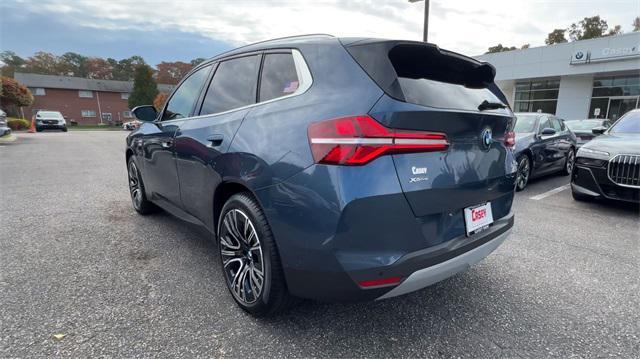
<point x="486" y="105"/>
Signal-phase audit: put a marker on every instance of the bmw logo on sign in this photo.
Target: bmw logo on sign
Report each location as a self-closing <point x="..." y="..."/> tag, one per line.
<point x="486" y="138"/>
<point x="579" y="55"/>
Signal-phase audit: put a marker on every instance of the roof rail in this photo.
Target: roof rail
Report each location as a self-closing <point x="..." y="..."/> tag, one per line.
<point x="270" y="40"/>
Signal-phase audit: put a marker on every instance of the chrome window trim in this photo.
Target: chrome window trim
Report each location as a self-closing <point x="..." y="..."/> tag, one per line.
<point x="304" y="78"/>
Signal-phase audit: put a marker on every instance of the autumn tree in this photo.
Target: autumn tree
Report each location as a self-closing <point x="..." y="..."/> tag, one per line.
<point x="145" y="88"/>
<point x="160" y="100"/>
<point x="617" y="30"/>
<point x="197" y="61"/>
<point x="172" y="72"/>
<point x="124" y="69"/>
<point x="499" y="48"/>
<point x="556" y="37"/>
<point x="41" y="62"/>
<point x="636" y="24"/>
<point x="98" y="68"/>
<point x="14" y="94"/>
<point x="591" y="28"/>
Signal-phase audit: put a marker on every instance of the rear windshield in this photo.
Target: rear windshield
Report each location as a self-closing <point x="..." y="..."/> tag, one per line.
<point x="525" y="123"/>
<point x="583" y="125"/>
<point x="425" y="75"/>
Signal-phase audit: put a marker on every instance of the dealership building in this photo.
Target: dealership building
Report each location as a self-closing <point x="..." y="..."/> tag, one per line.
<point x="596" y="78"/>
<point x="85" y="101"/>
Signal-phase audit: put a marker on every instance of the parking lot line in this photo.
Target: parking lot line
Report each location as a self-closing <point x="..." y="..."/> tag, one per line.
<point x="550" y="192"/>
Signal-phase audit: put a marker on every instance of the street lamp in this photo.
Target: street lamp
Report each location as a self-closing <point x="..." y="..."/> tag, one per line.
<point x="426" y="18"/>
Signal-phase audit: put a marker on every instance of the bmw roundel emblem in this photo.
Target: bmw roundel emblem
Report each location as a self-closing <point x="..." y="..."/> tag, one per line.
<point x="579" y="55"/>
<point x="486" y="137"/>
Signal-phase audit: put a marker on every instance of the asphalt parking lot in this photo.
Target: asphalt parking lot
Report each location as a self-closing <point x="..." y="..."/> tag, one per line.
<point x="76" y="260"/>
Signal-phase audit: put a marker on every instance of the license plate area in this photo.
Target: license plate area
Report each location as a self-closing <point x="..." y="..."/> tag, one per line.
<point x="478" y="218"/>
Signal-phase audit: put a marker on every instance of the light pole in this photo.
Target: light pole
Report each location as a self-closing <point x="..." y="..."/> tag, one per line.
<point x="426" y="19"/>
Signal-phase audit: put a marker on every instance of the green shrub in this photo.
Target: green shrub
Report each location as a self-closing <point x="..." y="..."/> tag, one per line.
<point x="18" y="124"/>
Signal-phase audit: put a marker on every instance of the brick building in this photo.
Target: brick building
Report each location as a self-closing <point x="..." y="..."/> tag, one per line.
<point x="86" y="101"/>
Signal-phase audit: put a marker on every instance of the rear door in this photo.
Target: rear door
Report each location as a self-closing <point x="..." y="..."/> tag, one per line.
<point x="432" y="90"/>
<point x="547" y="147"/>
<point x="202" y="141"/>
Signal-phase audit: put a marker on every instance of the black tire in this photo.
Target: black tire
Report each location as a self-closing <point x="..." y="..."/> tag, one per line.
<point x="569" y="162"/>
<point x="64" y="129"/>
<point x="136" y="189"/>
<point x="523" y="172"/>
<point x="243" y="255"/>
<point x="38" y="129"/>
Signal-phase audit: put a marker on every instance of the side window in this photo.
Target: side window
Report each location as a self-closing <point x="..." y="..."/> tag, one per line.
<point x="556" y="125"/>
<point x="279" y="76"/>
<point x="233" y="85"/>
<point x="544" y="123"/>
<point x="184" y="98"/>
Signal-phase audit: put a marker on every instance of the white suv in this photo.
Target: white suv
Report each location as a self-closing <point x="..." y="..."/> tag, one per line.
<point x="50" y="120"/>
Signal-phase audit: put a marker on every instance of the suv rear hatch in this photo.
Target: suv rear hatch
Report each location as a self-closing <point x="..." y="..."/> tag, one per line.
<point x="429" y="89"/>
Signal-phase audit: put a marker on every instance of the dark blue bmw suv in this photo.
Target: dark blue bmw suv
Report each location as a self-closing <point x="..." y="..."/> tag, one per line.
<point x="332" y="168"/>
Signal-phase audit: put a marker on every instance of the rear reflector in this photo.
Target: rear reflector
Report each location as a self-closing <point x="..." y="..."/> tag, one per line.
<point x="357" y="140"/>
<point x="379" y="282"/>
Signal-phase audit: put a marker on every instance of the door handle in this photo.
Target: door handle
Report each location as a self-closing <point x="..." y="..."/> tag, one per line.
<point x="216" y="140"/>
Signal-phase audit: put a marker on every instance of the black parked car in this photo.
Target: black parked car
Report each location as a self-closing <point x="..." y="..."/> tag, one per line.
<point x="544" y="145"/>
<point x="609" y="165"/>
<point x="583" y="129"/>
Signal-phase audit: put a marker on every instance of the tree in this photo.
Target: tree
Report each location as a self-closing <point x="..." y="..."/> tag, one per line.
<point x="11" y="63"/>
<point x="124" y="69"/>
<point x="42" y="62"/>
<point x="72" y="64"/>
<point x="556" y="37"/>
<point x="617" y="30"/>
<point x="525" y="46"/>
<point x="591" y="28"/>
<point x="97" y="68"/>
<point x="14" y="94"/>
<point x="636" y="24"/>
<point x="145" y="88"/>
<point x="499" y="48"/>
<point x="172" y="72"/>
<point x="197" y="61"/>
<point x="159" y="101"/>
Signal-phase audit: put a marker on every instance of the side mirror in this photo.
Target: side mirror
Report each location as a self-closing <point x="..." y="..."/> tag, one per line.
<point x="146" y="113"/>
<point x="598" y="130"/>
<point x="548" y="131"/>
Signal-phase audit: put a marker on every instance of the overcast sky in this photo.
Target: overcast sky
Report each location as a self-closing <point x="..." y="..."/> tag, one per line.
<point x="183" y="30"/>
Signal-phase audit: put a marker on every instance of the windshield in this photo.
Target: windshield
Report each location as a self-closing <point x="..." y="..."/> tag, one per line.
<point x="50" y="114"/>
<point x="525" y="123"/>
<point x="629" y="123"/>
<point x="583" y="125"/>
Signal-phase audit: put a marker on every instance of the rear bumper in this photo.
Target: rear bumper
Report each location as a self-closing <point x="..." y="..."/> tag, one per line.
<point x="430" y="275"/>
<point x="594" y="182"/>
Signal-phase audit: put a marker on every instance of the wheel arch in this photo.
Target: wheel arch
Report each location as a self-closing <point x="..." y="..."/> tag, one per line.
<point x="221" y="195"/>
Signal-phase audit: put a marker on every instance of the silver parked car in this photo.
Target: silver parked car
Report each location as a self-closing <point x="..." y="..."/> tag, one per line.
<point x="53" y="120"/>
<point x="4" y="129"/>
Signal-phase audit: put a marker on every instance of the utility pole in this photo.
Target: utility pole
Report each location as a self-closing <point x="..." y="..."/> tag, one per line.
<point x="425" y="34"/>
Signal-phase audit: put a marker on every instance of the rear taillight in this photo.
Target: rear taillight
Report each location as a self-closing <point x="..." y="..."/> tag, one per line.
<point x="357" y="140"/>
<point x="510" y="139"/>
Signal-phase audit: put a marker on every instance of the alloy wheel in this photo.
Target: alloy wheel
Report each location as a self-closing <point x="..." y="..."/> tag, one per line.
<point x="571" y="157"/>
<point x="134" y="185"/>
<point x="241" y="254"/>
<point x="523" y="173"/>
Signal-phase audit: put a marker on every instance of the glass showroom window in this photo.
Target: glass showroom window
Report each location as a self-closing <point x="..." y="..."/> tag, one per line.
<point x="613" y="95"/>
<point x="537" y="96"/>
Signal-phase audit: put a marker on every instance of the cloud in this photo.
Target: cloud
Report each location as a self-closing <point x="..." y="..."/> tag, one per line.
<point x="467" y="26"/>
